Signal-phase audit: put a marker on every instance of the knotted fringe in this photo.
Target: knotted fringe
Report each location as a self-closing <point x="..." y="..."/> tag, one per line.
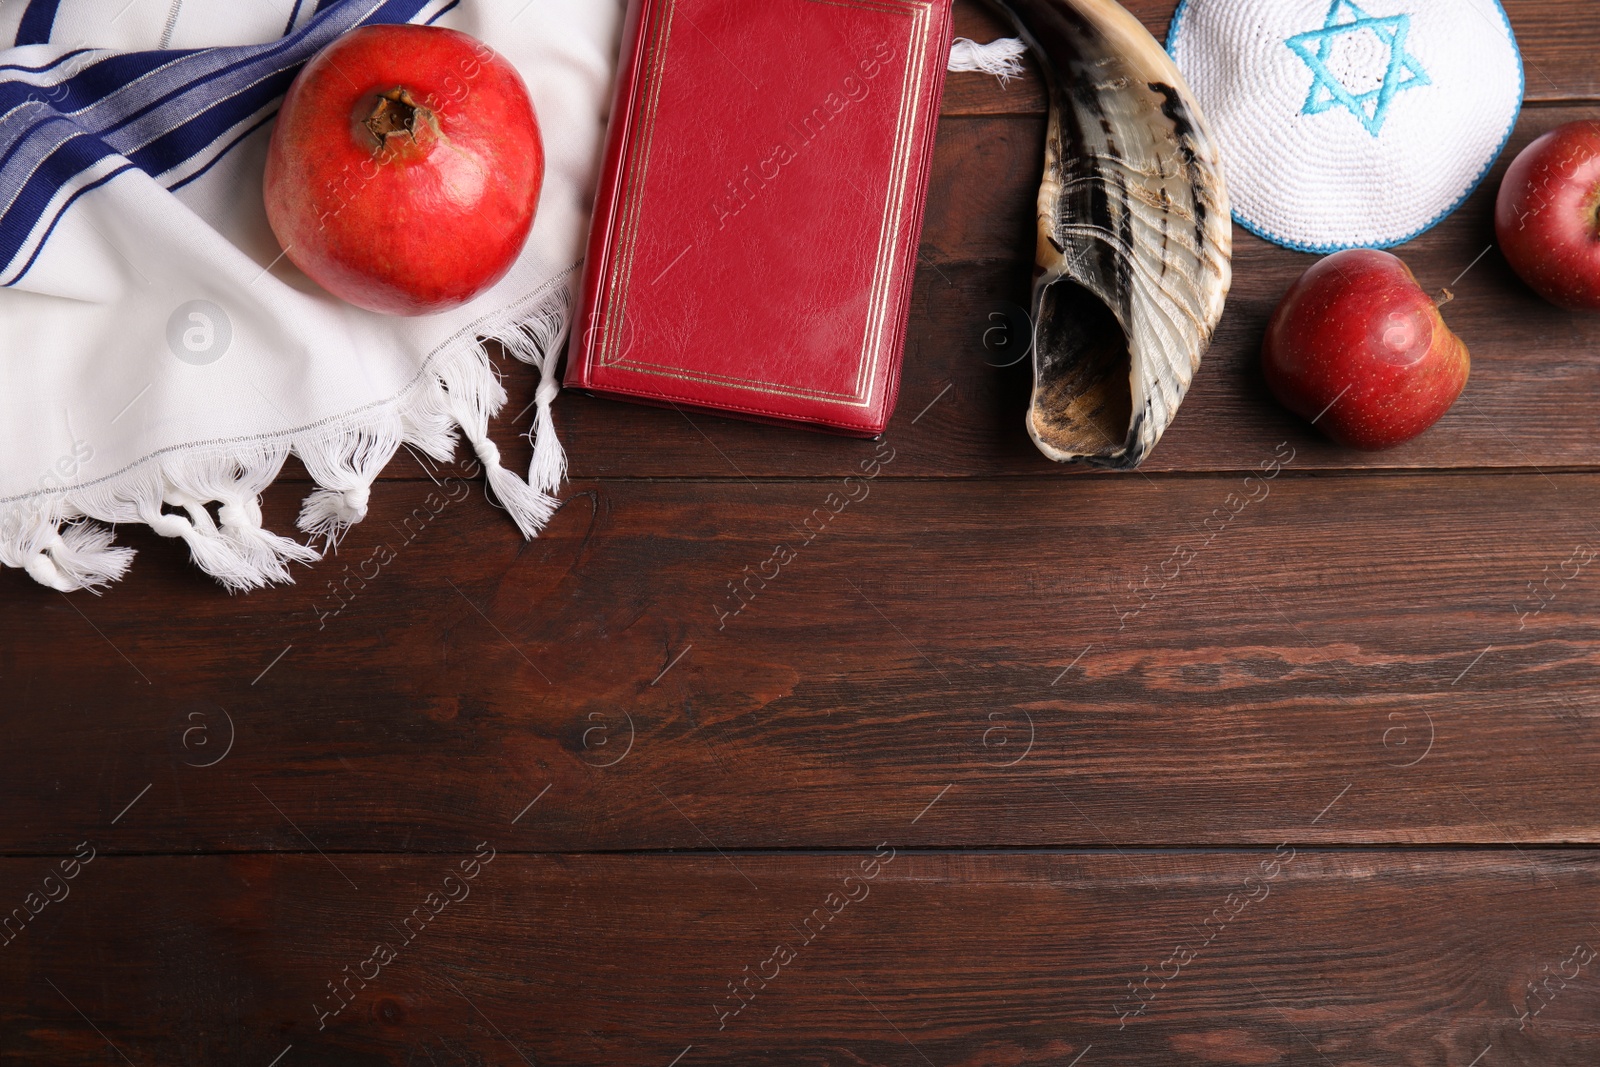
<point x="211" y="497"/>
<point x="474" y="393"/>
<point x="1002" y="58"/>
<point x="62" y="556"/>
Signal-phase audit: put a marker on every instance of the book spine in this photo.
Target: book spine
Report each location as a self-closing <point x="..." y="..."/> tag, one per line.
<point x="591" y="302"/>
<point x="942" y="33"/>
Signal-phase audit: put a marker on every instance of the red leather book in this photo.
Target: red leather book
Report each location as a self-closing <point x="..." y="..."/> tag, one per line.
<point x="756" y="222"/>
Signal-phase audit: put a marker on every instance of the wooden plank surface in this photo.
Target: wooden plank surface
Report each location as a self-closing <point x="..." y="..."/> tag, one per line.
<point x="1082" y="712"/>
<point x="1192" y="665"/>
<point x="1277" y="956"/>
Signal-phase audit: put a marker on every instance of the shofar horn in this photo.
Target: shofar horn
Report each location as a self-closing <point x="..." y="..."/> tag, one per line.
<point x="1135" y="235"/>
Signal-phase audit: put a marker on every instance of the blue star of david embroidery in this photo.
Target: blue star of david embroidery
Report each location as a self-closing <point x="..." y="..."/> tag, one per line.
<point x="1371" y="108"/>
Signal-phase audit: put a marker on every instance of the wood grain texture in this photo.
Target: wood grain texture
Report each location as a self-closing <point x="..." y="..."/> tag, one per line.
<point x="957" y="961"/>
<point x="1555" y="39"/>
<point x="1185" y="674"/>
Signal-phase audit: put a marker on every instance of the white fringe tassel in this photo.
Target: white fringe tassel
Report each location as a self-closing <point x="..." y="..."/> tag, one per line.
<point x="61" y="556"/>
<point x="52" y="539"/>
<point x="1002" y="58"/>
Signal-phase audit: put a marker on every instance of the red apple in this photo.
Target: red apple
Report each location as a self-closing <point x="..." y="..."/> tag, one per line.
<point x="1358" y="348"/>
<point x="405" y="168"/>
<point x="1548" y="216"/>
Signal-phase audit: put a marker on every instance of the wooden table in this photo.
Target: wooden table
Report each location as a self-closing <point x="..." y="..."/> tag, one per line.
<point x="957" y="787"/>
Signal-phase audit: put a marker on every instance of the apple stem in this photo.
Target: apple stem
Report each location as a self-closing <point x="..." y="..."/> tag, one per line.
<point x="1445" y="296"/>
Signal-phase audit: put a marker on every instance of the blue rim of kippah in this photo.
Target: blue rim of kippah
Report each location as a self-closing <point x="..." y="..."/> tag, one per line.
<point x="1259" y="231"/>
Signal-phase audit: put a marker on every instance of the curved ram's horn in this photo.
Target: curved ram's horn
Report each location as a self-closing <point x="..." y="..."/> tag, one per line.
<point x="1135" y="235"/>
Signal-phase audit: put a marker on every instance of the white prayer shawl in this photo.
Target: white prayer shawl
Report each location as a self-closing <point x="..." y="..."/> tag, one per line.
<point x="159" y="354"/>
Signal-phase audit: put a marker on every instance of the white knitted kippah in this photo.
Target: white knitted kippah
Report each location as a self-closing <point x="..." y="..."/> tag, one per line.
<point x="1350" y="125"/>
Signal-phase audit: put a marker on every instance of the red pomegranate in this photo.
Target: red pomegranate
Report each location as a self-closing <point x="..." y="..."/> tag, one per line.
<point x="405" y="168"/>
